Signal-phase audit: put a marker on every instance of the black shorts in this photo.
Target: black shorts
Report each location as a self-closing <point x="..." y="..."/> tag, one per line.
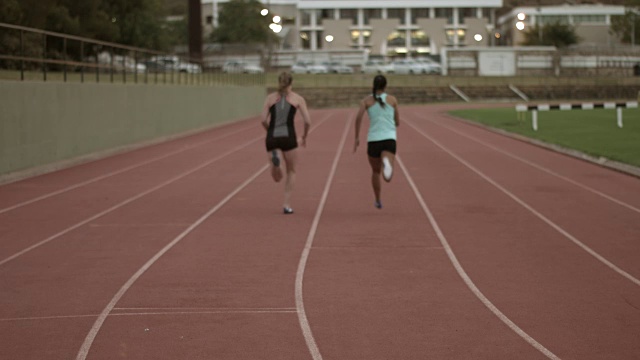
<point x="282" y="143"/>
<point x="375" y="148"/>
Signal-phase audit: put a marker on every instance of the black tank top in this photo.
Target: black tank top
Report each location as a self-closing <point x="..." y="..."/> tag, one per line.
<point x="282" y="116"/>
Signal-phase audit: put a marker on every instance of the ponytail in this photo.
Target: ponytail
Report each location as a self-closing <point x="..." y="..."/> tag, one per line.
<point x="284" y="80"/>
<point x="379" y="83"/>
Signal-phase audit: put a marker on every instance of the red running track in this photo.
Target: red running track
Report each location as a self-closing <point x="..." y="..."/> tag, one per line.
<point x="486" y="248"/>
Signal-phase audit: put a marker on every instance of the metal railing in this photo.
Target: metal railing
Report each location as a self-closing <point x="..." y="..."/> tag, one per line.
<point x="33" y="54"/>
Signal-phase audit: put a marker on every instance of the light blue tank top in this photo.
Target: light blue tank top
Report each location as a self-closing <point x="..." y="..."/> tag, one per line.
<point x="382" y="125"/>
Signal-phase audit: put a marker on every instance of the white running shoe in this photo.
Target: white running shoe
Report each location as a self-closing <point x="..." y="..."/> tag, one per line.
<point x="387" y="169"/>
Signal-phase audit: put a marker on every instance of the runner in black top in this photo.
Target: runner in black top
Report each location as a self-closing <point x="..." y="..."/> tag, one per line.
<point x="278" y="117"/>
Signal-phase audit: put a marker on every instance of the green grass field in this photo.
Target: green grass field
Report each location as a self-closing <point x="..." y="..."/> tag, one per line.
<point x="594" y="132"/>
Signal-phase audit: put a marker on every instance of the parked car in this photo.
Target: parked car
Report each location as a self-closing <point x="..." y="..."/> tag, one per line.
<point x="236" y="66"/>
<point x="431" y="66"/>
<point x="308" y="67"/>
<point x="376" y="67"/>
<point x="119" y="62"/>
<point x="408" y="66"/>
<point x="174" y="63"/>
<point x="337" y="67"/>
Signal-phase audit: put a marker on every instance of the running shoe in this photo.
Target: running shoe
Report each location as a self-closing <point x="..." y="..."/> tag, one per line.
<point x="387" y="169"/>
<point x="288" y="211"/>
<point x="378" y="204"/>
<point x="275" y="159"/>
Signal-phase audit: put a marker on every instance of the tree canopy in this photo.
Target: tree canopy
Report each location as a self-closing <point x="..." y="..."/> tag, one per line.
<point x="555" y="34"/>
<point x="138" y="23"/>
<point x="241" y="22"/>
<point x="623" y="26"/>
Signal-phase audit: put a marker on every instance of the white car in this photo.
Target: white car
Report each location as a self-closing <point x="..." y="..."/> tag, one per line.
<point x="241" y="67"/>
<point x="376" y="67"/>
<point x="336" y="67"/>
<point x="408" y="66"/>
<point x="308" y="67"/>
<point x="174" y="63"/>
<point x="431" y="66"/>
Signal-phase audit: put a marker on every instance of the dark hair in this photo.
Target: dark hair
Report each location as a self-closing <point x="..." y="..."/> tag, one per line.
<point x="284" y="79"/>
<point x="379" y="83"/>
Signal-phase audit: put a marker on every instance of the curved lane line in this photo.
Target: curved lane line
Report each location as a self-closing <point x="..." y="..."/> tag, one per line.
<point x="131" y="167"/>
<point x="539" y="167"/>
<point x="555" y="226"/>
<point x="121" y="204"/>
<point x="467" y="280"/>
<point x="93" y="332"/>
<point x="125" y="202"/>
<point x="302" y="316"/>
<point x="84" y="349"/>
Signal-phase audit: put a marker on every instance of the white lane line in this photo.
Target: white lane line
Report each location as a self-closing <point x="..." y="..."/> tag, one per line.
<point x="166" y="312"/>
<point x="131" y="167"/>
<point x="467" y="280"/>
<point x="125" y="202"/>
<point x="302" y="315"/>
<point x="555" y="226"/>
<point x="167" y="309"/>
<point x="539" y="167"/>
<point x="84" y="349"/>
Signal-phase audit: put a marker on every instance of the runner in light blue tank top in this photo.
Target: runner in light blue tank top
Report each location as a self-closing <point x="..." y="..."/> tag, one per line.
<point x="381" y="137"/>
<point x="382" y="125"/>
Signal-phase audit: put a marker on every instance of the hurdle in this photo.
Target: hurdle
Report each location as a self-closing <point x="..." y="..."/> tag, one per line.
<point x="618" y="106"/>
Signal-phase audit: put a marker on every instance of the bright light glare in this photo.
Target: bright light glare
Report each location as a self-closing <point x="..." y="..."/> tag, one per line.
<point x="275" y="28"/>
<point x="520" y="25"/>
<point x="477" y="37"/>
<point x="329" y="38"/>
<point x="276" y="19"/>
<point x="264" y="12"/>
<point x="521" y="16"/>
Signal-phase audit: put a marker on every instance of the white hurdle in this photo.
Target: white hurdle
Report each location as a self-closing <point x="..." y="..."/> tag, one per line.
<point x="584" y="106"/>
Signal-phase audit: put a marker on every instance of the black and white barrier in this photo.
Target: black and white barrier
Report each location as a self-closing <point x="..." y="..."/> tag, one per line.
<point x="584" y="106"/>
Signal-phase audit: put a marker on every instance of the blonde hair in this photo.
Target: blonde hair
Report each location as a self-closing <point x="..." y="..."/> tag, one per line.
<point x="284" y="80"/>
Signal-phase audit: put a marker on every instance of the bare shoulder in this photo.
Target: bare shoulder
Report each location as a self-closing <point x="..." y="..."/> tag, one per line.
<point x="272" y="98"/>
<point x="368" y="100"/>
<point x="295" y="99"/>
<point x="392" y="100"/>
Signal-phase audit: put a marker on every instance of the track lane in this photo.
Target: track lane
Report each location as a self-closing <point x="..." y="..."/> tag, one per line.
<point x="561" y="296"/>
<point x="31" y="190"/>
<point x="241" y="264"/>
<point x="583" y="217"/>
<point x="379" y="285"/>
<point x="59" y="215"/>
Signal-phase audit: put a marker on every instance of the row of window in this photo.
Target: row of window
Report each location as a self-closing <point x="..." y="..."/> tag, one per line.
<point x="400" y="14"/>
<point x="396" y="39"/>
<point x="570" y="19"/>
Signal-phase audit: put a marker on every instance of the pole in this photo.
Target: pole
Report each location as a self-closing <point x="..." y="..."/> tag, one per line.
<point x="195" y="31"/>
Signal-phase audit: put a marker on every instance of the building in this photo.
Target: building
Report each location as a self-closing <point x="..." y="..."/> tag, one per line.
<point x="386" y="28"/>
<point x="591" y="22"/>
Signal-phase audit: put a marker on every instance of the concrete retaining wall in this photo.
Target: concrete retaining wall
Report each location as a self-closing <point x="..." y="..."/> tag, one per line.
<point x="46" y="123"/>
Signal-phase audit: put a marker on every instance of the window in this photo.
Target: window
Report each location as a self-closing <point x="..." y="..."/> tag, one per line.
<point x="355" y="34"/>
<point x="419" y="14"/>
<point x="349" y="14"/>
<point x="396" y="14"/>
<point x="305" y="18"/>
<point x="592" y="19"/>
<point x="305" y="39"/>
<point x="452" y="33"/>
<point x="553" y="19"/>
<point x="371" y="14"/>
<point x="209" y="20"/>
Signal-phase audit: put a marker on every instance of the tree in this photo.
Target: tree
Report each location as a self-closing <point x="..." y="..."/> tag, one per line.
<point x="555" y="34"/>
<point x="627" y="26"/>
<point x="240" y="22"/>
